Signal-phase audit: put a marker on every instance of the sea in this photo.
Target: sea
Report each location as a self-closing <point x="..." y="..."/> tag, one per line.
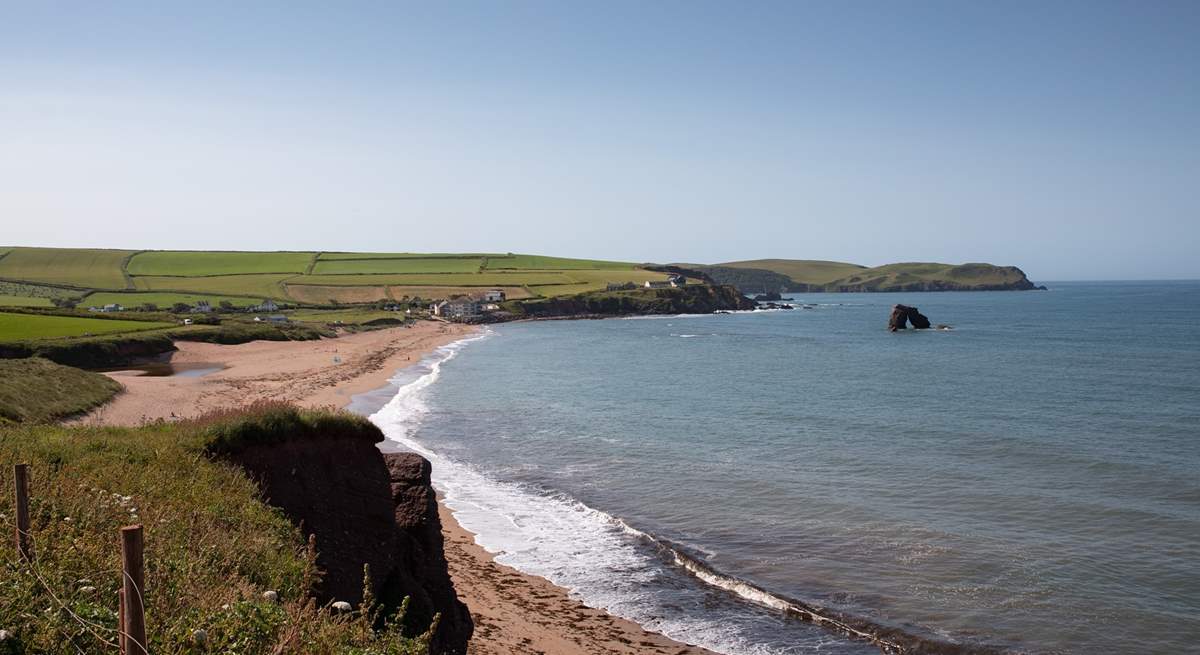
<point x="804" y="481"/>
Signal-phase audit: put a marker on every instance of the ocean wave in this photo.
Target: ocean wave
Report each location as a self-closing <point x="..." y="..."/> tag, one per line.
<point x="600" y="559"/>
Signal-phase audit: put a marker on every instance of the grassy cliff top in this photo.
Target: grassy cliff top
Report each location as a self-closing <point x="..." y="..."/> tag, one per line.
<point x="34" y="390"/>
<point x="213" y="545"/>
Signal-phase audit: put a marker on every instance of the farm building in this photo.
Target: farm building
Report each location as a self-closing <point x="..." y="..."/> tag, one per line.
<point x="493" y="295"/>
<point x="267" y="305"/>
<point x="203" y="307"/>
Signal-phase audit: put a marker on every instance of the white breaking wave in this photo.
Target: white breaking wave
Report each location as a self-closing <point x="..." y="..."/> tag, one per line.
<point x="601" y="560"/>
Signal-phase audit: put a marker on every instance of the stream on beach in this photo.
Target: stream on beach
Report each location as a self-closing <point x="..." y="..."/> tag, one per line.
<point x="1025" y="482"/>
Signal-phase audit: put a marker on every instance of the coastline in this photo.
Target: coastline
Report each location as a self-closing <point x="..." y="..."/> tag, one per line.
<point x="514" y="612"/>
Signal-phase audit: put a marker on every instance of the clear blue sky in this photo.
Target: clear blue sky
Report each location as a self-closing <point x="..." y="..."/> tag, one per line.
<point x="1062" y="137"/>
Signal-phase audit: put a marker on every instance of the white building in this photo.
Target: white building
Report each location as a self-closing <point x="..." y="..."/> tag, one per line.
<point x="493" y="295"/>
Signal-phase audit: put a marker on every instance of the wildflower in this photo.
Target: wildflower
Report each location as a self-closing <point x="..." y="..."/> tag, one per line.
<point x="342" y="606"/>
<point x="200" y="636"/>
<point x="270" y="596"/>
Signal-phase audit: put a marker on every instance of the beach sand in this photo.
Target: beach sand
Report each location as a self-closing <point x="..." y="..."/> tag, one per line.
<point x="309" y="373"/>
<point x="514" y="613"/>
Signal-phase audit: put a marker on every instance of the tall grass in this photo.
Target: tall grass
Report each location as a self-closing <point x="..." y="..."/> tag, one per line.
<point x="213" y="547"/>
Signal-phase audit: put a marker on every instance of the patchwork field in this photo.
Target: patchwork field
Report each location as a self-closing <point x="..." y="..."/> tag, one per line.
<point x="377" y="265"/>
<point x="263" y="286"/>
<point x="187" y="263"/>
<point x="88" y="268"/>
<point x="512" y="293"/>
<point x="22" y="327"/>
<point x="162" y="300"/>
<point x="163" y="278"/>
<point x="318" y="294"/>
<point x="24" y="301"/>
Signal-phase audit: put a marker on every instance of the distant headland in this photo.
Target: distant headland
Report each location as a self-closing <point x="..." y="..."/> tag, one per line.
<point x="812" y="276"/>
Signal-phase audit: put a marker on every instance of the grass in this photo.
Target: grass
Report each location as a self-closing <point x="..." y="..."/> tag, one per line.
<point x="898" y="275"/>
<point x="30" y="327"/>
<point x="513" y="293"/>
<point x="324" y="294"/>
<point x="162" y="300"/>
<point x="348" y="316"/>
<point x="88" y="268"/>
<point x="489" y="279"/>
<point x="539" y="262"/>
<point x="258" y="286"/>
<point x="27" y="290"/>
<point x="805" y="271"/>
<point x="326" y="256"/>
<point x="24" y="301"/>
<point x="403" y="265"/>
<point x="189" y="263"/>
<point x="35" y="390"/>
<point x="212" y="545"/>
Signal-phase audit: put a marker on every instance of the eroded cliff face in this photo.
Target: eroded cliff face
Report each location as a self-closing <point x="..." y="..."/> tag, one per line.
<point x="364" y="507"/>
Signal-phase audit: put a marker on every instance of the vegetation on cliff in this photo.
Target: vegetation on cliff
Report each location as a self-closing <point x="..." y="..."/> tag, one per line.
<point x="213" y="546"/>
<point x="35" y="390"/>
<point x="691" y="299"/>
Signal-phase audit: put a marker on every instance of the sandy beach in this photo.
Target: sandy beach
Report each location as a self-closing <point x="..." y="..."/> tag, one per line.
<point x="514" y="613"/>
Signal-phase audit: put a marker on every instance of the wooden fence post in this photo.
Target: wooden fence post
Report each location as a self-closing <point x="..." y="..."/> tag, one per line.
<point x="21" y="481"/>
<point x="134" y="625"/>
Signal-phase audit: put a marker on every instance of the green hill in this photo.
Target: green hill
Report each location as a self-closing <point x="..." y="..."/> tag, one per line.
<point x="782" y="275"/>
<point x="34" y="276"/>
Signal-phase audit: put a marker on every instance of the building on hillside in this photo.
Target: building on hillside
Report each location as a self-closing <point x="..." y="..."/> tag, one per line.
<point x="677" y="280"/>
<point x="457" y="308"/>
<point x="493" y="295"/>
<point x="112" y="308"/>
<point x="266" y="305"/>
<point x="203" y="307"/>
<point x="277" y="318"/>
<point x="658" y="284"/>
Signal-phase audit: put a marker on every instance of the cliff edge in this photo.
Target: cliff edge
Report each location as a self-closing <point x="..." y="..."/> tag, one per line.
<point x="362" y="508"/>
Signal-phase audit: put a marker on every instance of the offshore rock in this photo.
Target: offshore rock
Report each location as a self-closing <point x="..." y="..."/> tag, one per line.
<point x="902" y="315"/>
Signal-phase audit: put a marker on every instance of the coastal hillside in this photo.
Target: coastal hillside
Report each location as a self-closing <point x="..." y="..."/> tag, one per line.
<point x="227" y="566"/>
<point x="44" y="277"/>
<point x="784" y="275"/>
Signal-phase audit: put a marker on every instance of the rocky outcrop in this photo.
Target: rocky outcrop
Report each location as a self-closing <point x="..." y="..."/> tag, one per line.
<point x="902" y="315"/>
<point x="363" y="508"/>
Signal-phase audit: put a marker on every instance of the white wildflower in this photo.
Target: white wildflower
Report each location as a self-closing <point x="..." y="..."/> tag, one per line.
<point x="200" y="636"/>
<point x="270" y="596"/>
<point x="342" y="606"/>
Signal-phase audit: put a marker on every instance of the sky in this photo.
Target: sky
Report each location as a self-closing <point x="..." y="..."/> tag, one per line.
<point x="1061" y="137"/>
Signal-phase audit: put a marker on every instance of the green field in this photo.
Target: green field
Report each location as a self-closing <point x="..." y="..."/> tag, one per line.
<point x="805" y="271"/>
<point x="343" y="315"/>
<point x="326" y="256"/>
<point x="132" y="299"/>
<point x="23" y="327"/>
<point x="166" y="277"/>
<point x="538" y="262"/>
<point x="441" y="279"/>
<point x="378" y="265"/>
<point x="24" y="301"/>
<point x="187" y="263"/>
<point x="263" y="286"/>
<point x="89" y="268"/>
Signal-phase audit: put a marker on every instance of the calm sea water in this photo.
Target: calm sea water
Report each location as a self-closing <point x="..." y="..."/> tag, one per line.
<point x="1029" y="480"/>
